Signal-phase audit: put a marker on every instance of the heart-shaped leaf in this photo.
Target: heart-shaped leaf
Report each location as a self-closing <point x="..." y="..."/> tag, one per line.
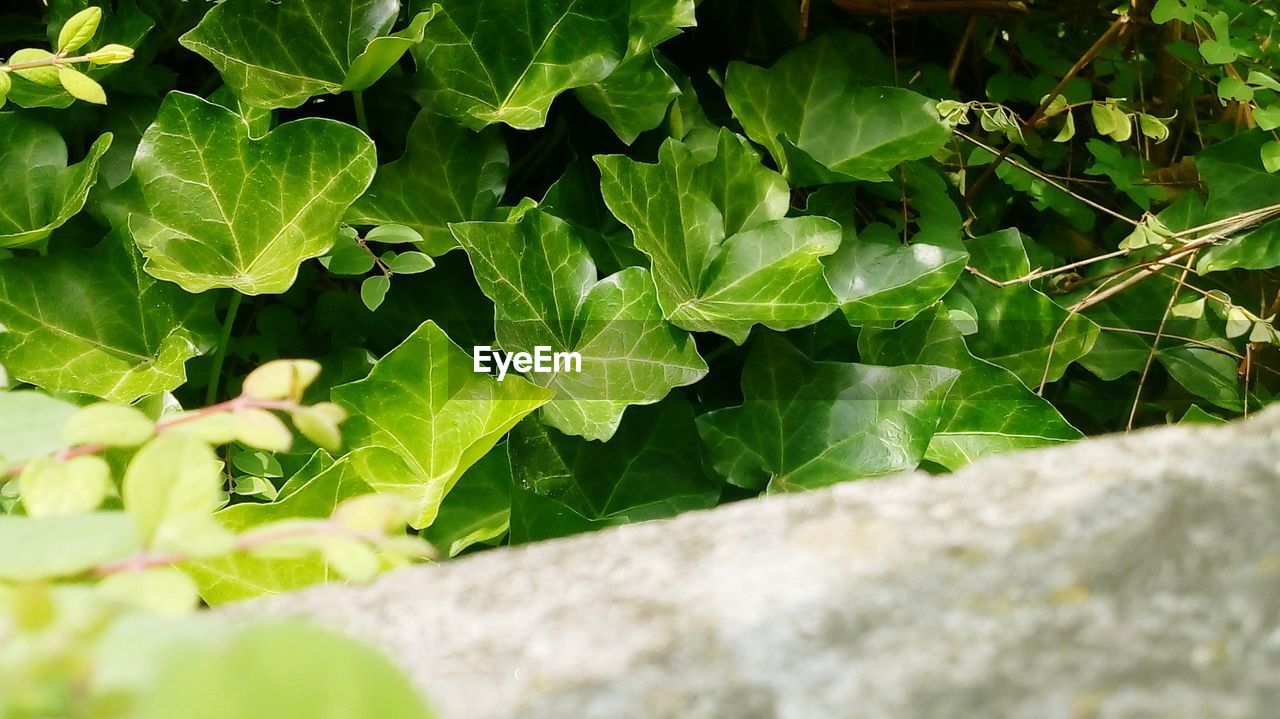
<point x="424" y="415"/>
<point x="225" y="210"/>
<point x="281" y="53"/>
<point x="724" y="258"/>
<point x="823" y="120"/>
<point x="543" y="282"/>
<point x="988" y="411"/>
<point x="810" y="424"/>
<point x="653" y="467"/>
<point x="489" y="61"/>
<point x="92" y="321"/>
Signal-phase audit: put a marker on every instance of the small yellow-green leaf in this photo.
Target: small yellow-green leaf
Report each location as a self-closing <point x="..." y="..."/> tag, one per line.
<point x="162" y="590"/>
<point x="50" y="487"/>
<point x="45" y="75"/>
<point x="281" y="379"/>
<point x="261" y="429"/>
<point x="81" y="86"/>
<point x="1068" y="130"/>
<point x="318" y="426"/>
<point x="1239" y="322"/>
<point x="172" y="477"/>
<point x="110" y="55"/>
<point x="216" y="428"/>
<point x="5" y="84"/>
<point x="79" y="30"/>
<point x="1271" y="156"/>
<point x="381" y="513"/>
<point x="352" y="559"/>
<point x="110" y="425"/>
<point x="1153" y="127"/>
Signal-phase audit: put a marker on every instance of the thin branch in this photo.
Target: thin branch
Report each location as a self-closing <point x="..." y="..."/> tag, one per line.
<point x="1155" y="343"/>
<point x="1041" y="176"/>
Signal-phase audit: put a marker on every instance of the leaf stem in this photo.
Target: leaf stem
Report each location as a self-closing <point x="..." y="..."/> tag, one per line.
<point x="220" y="354"/>
<point x="362" y="119"/>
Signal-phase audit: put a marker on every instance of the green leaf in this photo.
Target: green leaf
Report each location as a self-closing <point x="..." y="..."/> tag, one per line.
<point x="225" y="210"/>
<point x="988" y="411"/>
<point x="81" y="86"/>
<point x="31" y="425"/>
<point x="41" y="192"/>
<point x="1271" y="156"/>
<point x="478" y="510"/>
<point x="1206" y="373"/>
<point x="810" y="424"/>
<point x="653" y="467"/>
<point x="51" y="487"/>
<point x="374" y="290"/>
<point x="634" y="98"/>
<point x="543" y="283"/>
<point x="447" y="174"/>
<point x="878" y="277"/>
<point x="576" y="198"/>
<point x="423" y="416"/>
<point x="488" y="61"/>
<point x="290" y="670"/>
<point x="92" y="321"/>
<point x="171" y="479"/>
<point x="282" y="53"/>
<point x="1239" y="182"/>
<point x="63" y="545"/>
<point x="109" y="425"/>
<point x="383" y="53"/>
<point x="821" y="121"/>
<point x="79" y="30"/>
<point x="1020" y="328"/>
<point x="313" y="493"/>
<point x="410" y="263"/>
<point x="724" y="259"/>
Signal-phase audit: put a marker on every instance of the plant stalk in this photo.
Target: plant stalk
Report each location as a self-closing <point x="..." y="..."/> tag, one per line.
<point x="220" y="354"/>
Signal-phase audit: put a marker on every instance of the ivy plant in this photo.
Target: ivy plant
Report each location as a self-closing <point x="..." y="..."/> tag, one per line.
<point x="779" y="246"/>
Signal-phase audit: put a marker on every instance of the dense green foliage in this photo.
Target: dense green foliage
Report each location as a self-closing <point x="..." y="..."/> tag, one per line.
<point x="794" y="243"/>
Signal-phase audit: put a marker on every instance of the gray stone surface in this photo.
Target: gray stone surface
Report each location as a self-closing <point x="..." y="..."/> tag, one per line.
<point x="1126" y="577"/>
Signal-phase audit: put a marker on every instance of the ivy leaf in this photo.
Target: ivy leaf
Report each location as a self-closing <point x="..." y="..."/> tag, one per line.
<point x="988" y="411"/>
<point x="383" y="53"/>
<point x="810" y="424"/>
<point x="820" y="120"/>
<point x="41" y="191"/>
<point x="280" y="54"/>
<point x="423" y="416"/>
<point x="92" y="321"/>
<point x="1020" y="328"/>
<point x="447" y="174"/>
<point x="63" y="545"/>
<point x="1238" y="182"/>
<point x="576" y="198"/>
<point x="724" y="259"/>
<point x="543" y="283"/>
<point x="880" y="279"/>
<point x="225" y="210"/>
<point x="636" y="95"/>
<point x="652" y="468"/>
<point x="313" y="493"/>
<point x="634" y="98"/>
<point x="489" y="61"/>
<point x="478" y="510"/>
